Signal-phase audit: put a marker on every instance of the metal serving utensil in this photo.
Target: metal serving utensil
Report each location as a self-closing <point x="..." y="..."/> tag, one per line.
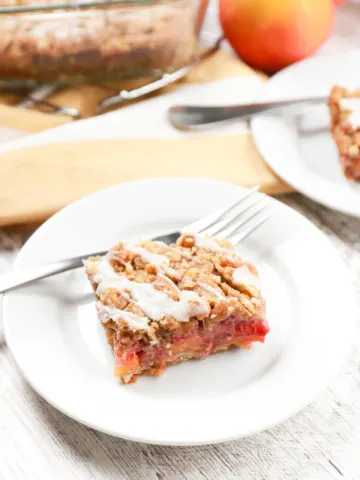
<point x="162" y="82"/>
<point x="38" y="97"/>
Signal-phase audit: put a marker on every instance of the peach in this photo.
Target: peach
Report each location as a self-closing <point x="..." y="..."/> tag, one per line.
<point x="127" y="363"/>
<point x="271" y="34"/>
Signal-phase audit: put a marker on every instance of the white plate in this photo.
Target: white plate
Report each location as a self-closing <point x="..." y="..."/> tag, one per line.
<point x="52" y="330"/>
<point x="299" y="148"/>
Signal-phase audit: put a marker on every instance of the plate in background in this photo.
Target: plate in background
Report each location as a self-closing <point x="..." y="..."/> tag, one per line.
<point x="298" y="146"/>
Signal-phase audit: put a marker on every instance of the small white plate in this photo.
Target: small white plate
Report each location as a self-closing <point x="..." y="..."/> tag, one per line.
<point x="299" y="147"/>
<point x="55" y="337"/>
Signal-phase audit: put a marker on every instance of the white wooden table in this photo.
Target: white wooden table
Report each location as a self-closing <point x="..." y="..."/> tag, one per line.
<point x="320" y="443"/>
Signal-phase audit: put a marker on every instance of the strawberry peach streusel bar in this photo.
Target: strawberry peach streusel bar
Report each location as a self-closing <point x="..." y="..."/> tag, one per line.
<point x="164" y="304"/>
<point x="345" y="129"/>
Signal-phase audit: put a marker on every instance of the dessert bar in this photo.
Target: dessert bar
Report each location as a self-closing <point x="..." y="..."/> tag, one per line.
<point x="164" y="304"/>
<point x="345" y="129"/>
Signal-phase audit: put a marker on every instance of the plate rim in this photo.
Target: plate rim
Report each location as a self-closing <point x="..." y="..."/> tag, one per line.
<point x="217" y="437"/>
<point x="256" y="130"/>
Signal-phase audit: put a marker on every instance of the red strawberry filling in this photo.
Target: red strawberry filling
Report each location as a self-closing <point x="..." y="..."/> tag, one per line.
<point x="196" y="344"/>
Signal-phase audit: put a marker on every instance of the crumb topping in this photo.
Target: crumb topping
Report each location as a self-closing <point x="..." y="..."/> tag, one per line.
<point x="150" y="287"/>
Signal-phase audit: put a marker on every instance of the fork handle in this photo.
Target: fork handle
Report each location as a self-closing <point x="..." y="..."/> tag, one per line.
<point x="184" y="117"/>
<point x="14" y="279"/>
<point x="17" y="278"/>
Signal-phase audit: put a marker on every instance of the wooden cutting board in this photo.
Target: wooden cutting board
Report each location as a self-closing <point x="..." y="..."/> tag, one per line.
<point x="37" y="181"/>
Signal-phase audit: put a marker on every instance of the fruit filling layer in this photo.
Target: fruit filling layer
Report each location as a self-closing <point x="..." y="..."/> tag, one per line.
<point x="131" y="360"/>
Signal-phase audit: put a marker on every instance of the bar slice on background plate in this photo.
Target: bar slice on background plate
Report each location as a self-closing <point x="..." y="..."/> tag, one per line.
<point x="161" y="305"/>
<point x="345" y="129"/>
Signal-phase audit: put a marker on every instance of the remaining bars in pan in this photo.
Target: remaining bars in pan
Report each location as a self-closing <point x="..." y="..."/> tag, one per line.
<point x="345" y="129"/>
<point x="161" y="305"/>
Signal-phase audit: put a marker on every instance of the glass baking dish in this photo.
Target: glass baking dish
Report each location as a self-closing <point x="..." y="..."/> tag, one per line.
<point x="97" y="41"/>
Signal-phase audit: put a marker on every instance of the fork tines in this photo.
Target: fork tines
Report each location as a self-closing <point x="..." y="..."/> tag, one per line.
<point x="237" y="220"/>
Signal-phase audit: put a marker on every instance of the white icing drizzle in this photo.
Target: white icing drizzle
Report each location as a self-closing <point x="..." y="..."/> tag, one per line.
<point x="210" y="289"/>
<point x="243" y="276"/>
<point x="172" y="272"/>
<point x="352" y="104"/>
<point x="169" y="281"/>
<point x="134" y="322"/>
<point x="154" y="303"/>
<point x="209" y="244"/>
<point x="148" y="257"/>
<point x="161" y="262"/>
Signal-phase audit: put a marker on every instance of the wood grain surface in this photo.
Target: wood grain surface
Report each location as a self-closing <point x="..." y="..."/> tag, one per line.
<point x="37" y="181"/>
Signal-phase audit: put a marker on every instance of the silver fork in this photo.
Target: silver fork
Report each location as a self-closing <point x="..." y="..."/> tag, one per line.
<point x="235" y="222"/>
<point x="185" y="117"/>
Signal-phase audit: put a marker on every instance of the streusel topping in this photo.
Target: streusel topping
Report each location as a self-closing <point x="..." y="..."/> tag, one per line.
<point x="151" y="285"/>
